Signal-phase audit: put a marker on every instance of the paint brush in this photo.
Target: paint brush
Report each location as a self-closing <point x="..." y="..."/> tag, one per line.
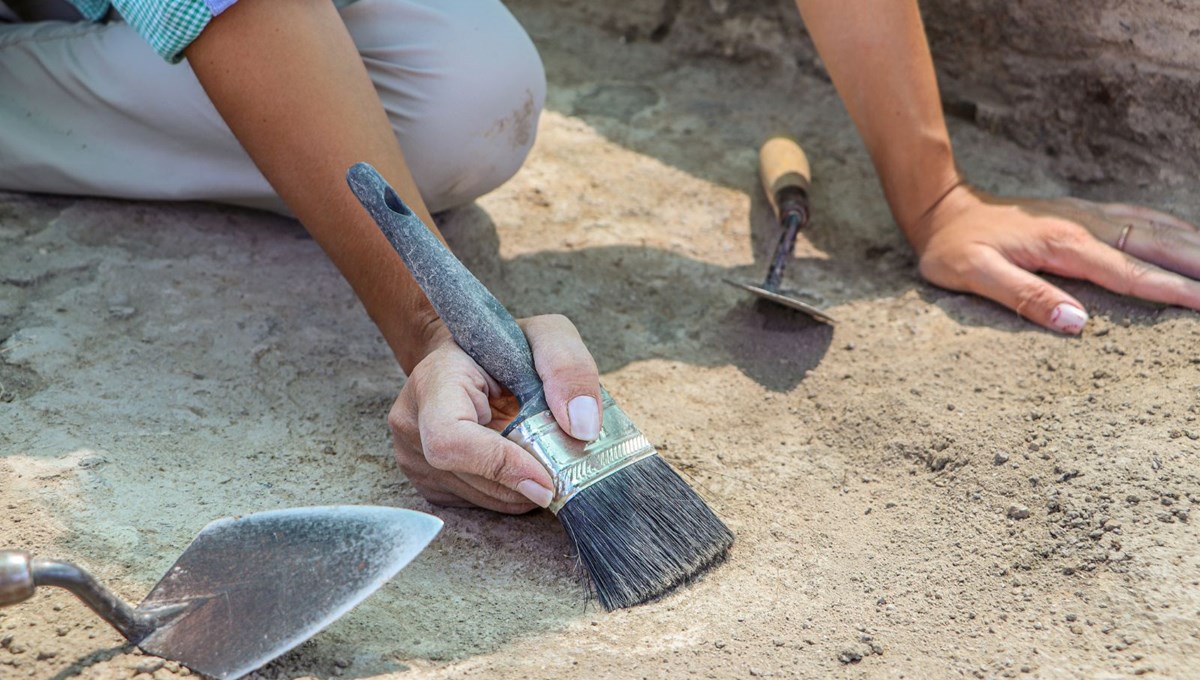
<point x="638" y="528"/>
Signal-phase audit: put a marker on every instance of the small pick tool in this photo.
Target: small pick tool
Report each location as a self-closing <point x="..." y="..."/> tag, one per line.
<point x="248" y="588"/>
<point x="785" y="176"/>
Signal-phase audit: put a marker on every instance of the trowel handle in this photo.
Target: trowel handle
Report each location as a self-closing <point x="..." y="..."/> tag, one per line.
<point x="21" y="575"/>
<point x="479" y="323"/>
<point x="786" y="175"/>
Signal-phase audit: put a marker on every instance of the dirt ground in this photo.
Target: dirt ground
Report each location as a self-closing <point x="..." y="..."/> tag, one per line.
<point x="932" y="488"/>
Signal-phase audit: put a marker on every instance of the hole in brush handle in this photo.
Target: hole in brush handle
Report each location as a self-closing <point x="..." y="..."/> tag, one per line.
<point x="392" y="200"/>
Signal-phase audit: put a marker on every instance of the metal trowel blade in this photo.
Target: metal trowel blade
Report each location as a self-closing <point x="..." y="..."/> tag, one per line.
<point x="780" y="297"/>
<point x="253" y="587"/>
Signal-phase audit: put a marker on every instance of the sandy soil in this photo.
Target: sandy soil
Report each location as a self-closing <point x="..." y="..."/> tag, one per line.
<point x="933" y="488"/>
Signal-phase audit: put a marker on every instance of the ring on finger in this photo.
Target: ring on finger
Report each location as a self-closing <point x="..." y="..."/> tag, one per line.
<point x="1124" y="237"/>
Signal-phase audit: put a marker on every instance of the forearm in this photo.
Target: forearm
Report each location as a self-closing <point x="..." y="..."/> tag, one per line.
<point x="878" y="56"/>
<point x="288" y="80"/>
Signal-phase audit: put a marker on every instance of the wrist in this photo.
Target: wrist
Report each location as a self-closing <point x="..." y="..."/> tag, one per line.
<point x="919" y="223"/>
<point x="916" y="175"/>
<point x="425" y="333"/>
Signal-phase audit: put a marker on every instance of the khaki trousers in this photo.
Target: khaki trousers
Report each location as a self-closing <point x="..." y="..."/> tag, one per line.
<point x="90" y="109"/>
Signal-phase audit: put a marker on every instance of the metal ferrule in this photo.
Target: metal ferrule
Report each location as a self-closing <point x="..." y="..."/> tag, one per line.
<point x="575" y="465"/>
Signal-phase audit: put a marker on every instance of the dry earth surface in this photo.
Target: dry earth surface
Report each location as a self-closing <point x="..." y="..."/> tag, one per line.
<point x="932" y="488"/>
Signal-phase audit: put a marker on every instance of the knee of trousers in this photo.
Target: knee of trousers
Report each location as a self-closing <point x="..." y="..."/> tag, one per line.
<point x="464" y="96"/>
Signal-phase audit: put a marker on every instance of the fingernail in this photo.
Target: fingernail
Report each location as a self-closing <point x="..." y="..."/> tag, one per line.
<point x="585" y="418"/>
<point x="535" y="492"/>
<point x="1068" y="319"/>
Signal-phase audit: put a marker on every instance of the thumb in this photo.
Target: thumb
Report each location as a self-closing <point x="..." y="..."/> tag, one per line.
<point x="568" y="374"/>
<point x="1027" y="294"/>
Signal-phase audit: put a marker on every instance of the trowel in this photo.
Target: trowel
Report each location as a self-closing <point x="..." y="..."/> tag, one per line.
<point x="248" y="588"/>
<point x="786" y="177"/>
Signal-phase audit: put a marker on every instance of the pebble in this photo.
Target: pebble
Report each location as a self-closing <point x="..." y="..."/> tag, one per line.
<point x="149" y="666"/>
<point x="1018" y="512"/>
<point x="849" y="656"/>
<point x="1000" y="459"/>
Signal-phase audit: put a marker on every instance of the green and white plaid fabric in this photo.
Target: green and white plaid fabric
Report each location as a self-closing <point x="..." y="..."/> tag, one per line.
<point x="92" y="10"/>
<point x="168" y="25"/>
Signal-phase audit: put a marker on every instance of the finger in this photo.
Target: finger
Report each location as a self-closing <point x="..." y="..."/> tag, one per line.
<point x="402" y="420"/>
<point x="453" y="440"/>
<point x="440" y="486"/>
<point x="1120" y="211"/>
<point x="1077" y="209"/>
<point x="568" y="373"/>
<point x="444" y="498"/>
<point x="406" y="444"/>
<point x="1120" y="273"/>
<point x="404" y="417"/>
<point x="1029" y="295"/>
<point x="492" y="494"/>
<point x="458" y="490"/>
<point x="453" y="492"/>
<point x="1170" y="248"/>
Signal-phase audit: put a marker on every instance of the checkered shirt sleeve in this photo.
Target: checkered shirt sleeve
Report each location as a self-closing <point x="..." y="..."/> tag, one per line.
<point x="168" y="25"/>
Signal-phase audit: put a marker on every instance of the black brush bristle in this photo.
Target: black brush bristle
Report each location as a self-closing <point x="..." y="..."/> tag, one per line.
<point x="642" y="531"/>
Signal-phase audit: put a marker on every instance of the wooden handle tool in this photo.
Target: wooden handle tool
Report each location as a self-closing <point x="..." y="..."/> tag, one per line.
<point x="786" y="175"/>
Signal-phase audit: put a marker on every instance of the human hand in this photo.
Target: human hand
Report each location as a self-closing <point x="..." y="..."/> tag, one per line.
<point x="974" y="242"/>
<point x="446" y="422"/>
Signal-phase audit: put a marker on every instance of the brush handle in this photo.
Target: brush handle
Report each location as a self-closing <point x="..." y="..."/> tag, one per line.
<point x="476" y="319"/>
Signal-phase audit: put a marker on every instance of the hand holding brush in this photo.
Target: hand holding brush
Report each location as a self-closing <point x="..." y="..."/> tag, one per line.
<point x="639" y="529"/>
<point x="446" y="422"/>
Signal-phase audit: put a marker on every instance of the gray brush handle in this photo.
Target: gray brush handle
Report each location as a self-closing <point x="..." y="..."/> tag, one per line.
<point x="479" y="323"/>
